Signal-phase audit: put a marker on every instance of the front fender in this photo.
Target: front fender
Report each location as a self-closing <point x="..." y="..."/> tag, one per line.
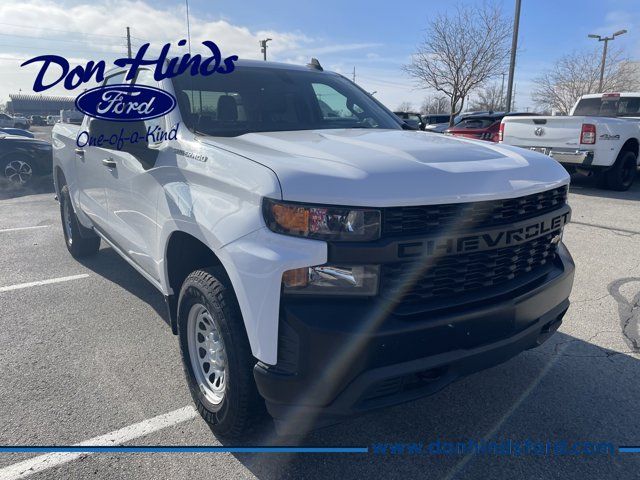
<point x="255" y="264"/>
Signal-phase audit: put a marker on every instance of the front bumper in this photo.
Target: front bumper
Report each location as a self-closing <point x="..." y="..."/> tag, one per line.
<point x="343" y="357"/>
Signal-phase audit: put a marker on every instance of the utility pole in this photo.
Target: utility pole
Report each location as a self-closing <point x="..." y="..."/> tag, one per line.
<point x="514" y="47"/>
<point x="502" y="92"/>
<point x="263" y="48"/>
<point x="128" y="42"/>
<point x="604" y="53"/>
<point x="354" y="74"/>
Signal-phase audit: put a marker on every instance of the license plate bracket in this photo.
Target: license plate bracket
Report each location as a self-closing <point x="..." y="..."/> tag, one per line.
<point x="544" y="150"/>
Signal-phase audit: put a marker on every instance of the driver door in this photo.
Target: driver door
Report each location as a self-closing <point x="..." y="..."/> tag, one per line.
<point x="133" y="193"/>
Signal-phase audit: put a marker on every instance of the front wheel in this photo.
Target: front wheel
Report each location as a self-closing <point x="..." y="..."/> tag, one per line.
<point x="621" y="176"/>
<point x="216" y="354"/>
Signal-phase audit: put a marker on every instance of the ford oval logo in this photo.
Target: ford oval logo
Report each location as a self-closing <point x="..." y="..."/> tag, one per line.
<point x="125" y="103"/>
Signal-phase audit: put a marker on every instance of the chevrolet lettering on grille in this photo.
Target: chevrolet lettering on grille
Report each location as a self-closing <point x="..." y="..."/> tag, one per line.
<point x="499" y="238"/>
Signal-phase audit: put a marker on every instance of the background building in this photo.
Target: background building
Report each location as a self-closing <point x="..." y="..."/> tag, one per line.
<point x="39" y="104"/>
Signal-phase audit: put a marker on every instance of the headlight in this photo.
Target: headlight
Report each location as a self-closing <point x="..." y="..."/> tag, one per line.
<point x="322" y="222"/>
<point x="359" y="280"/>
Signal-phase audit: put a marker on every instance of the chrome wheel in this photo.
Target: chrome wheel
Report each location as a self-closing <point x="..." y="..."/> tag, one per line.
<point x="207" y="353"/>
<point x="18" y="172"/>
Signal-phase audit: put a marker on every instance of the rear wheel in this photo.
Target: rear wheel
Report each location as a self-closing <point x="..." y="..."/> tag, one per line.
<point x="621" y="176"/>
<point x="80" y="241"/>
<point x="216" y="355"/>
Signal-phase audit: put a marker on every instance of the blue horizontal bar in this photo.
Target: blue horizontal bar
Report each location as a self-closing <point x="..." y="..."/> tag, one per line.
<point x="179" y="449"/>
<point x="629" y="449"/>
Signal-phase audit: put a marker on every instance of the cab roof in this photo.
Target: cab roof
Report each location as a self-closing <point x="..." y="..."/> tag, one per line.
<point x="621" y="94"/>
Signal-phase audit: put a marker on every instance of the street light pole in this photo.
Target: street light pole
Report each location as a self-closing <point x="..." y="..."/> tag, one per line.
<point x="263" y="48"/>
<point x="514" y="47"/>
<point x="604" y="53"/>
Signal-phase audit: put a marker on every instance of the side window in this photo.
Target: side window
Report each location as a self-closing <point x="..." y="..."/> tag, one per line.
<point x="115" y="78"/>
<point x="145" y="77"/>
<point x="209" y="103"/>
<point x="214" y="109"/>
<point x="3" y="116"/>
<point x="333" y="104"/>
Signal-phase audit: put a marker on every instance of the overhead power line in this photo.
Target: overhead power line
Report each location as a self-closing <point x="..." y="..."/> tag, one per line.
<point x="31" y="27"/>
<point x="385" y="82"/>
<point x="66" y="50"/>
<point x="49" y="39"/>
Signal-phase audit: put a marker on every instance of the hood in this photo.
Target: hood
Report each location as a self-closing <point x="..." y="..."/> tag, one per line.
<point x="385" y="168"/>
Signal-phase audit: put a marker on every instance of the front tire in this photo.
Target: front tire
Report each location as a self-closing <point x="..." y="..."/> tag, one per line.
<point x="217" y="358"/>
<point x="621" y="176"/>
<point x="80" y="241"/>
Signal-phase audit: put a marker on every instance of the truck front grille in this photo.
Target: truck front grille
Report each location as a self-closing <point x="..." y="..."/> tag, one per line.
<point x="414" y="282"/>
<point x="430" y="219"/>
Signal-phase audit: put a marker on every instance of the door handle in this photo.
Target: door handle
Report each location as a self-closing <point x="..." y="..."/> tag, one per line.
<point x="80" y="152"/>
<point x="109" y="162"/>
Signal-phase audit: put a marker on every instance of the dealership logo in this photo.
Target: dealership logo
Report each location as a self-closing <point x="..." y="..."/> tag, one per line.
<point x="125" y="103"/>
<point x="129" y="102"/>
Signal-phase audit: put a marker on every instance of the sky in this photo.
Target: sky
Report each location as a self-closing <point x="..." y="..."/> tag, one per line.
<point x="376" y="37"/>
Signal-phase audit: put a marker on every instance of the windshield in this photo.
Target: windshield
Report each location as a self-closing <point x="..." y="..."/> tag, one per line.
<point x="476" y="122"/>
<point x="609" y="106"/>
<point x="260" y="99"/>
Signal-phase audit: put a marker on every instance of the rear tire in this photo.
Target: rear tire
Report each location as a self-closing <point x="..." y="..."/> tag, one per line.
<point x="217" y="358"/>
<point x="80" y="241"/>
<point x="621" y="176"/>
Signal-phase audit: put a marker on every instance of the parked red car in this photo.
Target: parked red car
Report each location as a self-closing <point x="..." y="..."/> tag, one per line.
<point x="480" y="126"/>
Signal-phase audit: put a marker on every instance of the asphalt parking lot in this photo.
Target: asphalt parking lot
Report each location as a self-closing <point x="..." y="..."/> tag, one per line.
<point x="42" y="133"/>
<point x="91" y="354"/>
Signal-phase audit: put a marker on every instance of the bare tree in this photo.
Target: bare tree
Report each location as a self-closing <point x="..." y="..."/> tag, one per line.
<point x="404" y="107"/>
<point x="435" y="104"/>
<point x="489" y="98"/>
<point x="578" y="73"/>
<point x="461" y="51"/>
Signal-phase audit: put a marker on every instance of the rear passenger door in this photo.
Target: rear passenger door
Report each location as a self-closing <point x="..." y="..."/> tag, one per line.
<point x="94" y="174"/>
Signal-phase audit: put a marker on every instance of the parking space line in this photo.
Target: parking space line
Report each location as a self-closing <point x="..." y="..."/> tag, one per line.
<point x="18" y="229"/>
<point x="19" y="286"/>
<point x="117" y="437"/>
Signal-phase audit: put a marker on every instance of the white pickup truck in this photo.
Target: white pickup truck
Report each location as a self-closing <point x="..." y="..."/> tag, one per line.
<point x="8" y="121"/>
<point x="601" y="135"/>
<point x="316" y="258"/>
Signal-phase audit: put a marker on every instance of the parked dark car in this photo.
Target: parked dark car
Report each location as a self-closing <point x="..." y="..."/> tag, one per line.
<point x="412" y="119"/>
<point x="481" y="126"/>
<point x="434" y="119"/>
<point x="17" y="131"/>
<point x="22" y="159"/>
<point x="38" y="120"/>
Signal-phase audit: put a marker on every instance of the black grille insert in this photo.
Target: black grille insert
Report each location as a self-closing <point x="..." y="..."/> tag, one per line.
<point x="430" y="219"/>
<point x="415" y="282"/>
